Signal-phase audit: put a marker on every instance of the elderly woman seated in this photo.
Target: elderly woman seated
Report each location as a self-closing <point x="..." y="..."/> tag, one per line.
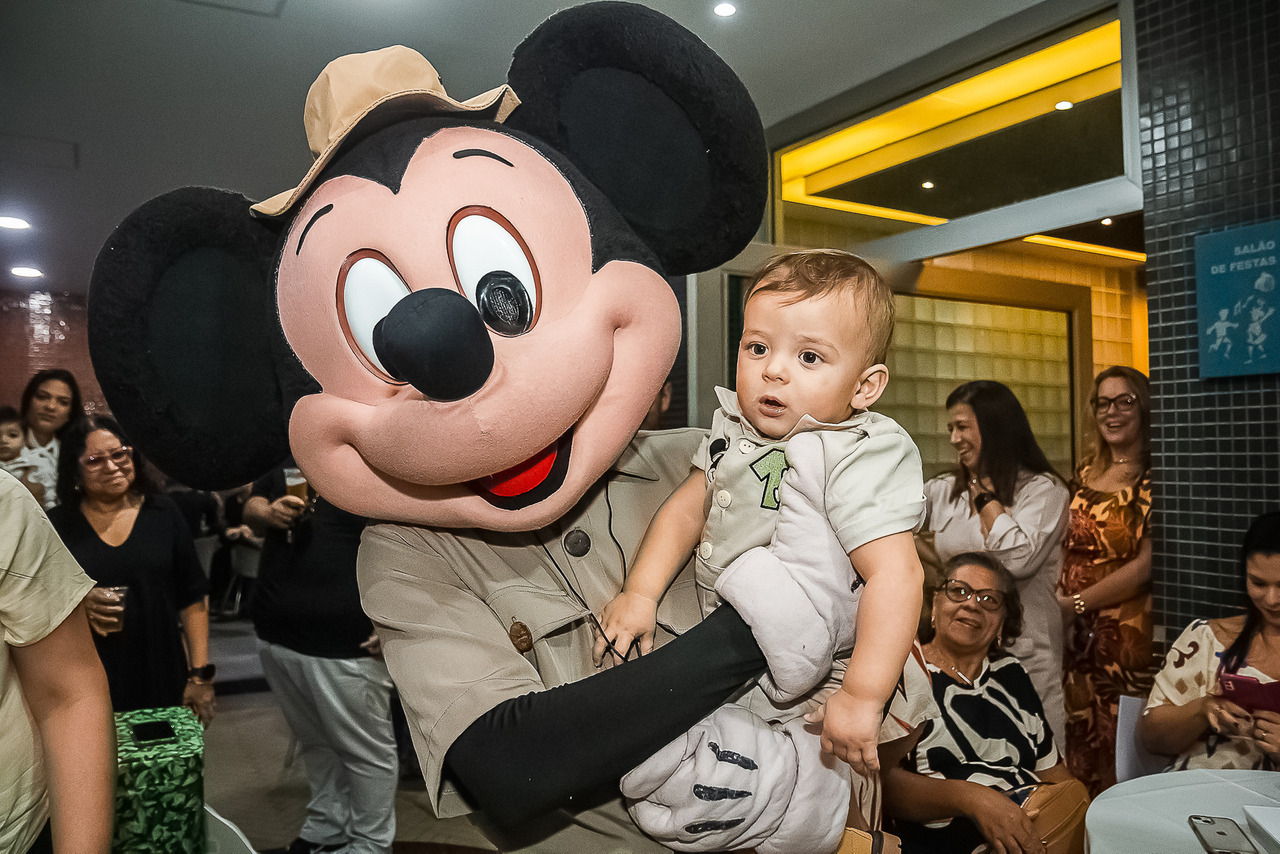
<point x="960" y="786"/>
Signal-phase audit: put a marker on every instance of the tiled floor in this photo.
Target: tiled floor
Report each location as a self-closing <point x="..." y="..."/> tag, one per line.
<point x="251" y="780"/>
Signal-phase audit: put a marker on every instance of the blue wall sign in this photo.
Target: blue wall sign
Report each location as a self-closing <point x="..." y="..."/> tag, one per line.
<point x="1236" y="301"/>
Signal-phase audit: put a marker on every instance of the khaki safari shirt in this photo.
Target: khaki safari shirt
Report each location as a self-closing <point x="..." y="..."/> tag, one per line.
<point x="470" y="618"/>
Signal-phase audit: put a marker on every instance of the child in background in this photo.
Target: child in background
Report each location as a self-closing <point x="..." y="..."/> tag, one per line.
<point x="816" y="327"/>
<point x="13" y="451"/>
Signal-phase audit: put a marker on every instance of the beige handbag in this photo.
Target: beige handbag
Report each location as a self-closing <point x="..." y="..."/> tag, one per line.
<point x="1059" y="810"/>
<point x="861" y="833"/>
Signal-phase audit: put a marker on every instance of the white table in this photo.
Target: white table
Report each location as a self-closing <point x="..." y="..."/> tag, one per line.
<point x="1149" y="814"/>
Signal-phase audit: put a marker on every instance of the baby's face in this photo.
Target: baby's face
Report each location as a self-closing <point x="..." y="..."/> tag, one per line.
<point x="11" y="440"/>
<point x="804" y="357"/>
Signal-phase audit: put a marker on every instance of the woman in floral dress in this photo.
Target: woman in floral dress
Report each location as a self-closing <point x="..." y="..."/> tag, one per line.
<point x="1104" y="590"/>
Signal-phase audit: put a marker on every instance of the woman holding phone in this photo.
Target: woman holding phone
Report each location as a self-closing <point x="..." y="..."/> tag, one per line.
<point x="1187" y="715"/>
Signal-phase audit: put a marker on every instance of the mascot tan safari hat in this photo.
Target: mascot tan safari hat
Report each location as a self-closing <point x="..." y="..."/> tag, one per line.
<point x="361" y="93"/>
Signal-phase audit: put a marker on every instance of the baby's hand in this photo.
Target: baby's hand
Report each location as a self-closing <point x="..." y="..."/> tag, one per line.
<point x="849" y="729"/>
<point x="628" y="619"/>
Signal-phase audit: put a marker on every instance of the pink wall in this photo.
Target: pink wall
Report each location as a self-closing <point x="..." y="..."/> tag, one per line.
<point x="40" y="330"/>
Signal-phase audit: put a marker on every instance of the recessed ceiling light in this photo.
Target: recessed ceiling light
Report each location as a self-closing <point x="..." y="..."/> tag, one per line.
<point x="13" y="222"/>
<point x="1063" y="105"/>
<point x="27" y="272"/>
<point x="724" y="10"/>
<point x="928" y="185"/>
<point x="1107" y="221"/>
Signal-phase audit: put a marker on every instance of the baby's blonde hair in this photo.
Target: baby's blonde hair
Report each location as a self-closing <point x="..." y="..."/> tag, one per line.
<point x="813" y="273"/>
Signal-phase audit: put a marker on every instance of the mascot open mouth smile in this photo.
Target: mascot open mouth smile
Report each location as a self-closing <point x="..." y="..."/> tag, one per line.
<point x="530" y="481"/>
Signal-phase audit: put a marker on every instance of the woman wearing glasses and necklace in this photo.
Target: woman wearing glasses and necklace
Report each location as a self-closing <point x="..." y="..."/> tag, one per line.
<point x="1104" y="593"/>
<point x="958" y="787"/>
<point x="136" y="545"/>
<point x="1004" y="498"/>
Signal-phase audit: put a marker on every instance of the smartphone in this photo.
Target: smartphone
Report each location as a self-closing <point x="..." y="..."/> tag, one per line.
<point x="1220" y="835"/>
<point x="152" y="730"/>
<point x="1249" y="693"/>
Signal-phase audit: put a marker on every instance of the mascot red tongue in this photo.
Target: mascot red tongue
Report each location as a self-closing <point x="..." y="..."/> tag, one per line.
<point x="521" y="478"/>
<point x="456" y="322"/>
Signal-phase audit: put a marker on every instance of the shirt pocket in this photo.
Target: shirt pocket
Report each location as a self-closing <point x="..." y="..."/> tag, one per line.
<point x="532" y="610"/>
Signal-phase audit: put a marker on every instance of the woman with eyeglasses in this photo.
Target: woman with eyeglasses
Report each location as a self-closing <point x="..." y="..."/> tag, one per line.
<point x="960" y="784"/>
<point x="135" y="544"/>
<point x="1004" y="498"/>
<point x="1104" y="594"/>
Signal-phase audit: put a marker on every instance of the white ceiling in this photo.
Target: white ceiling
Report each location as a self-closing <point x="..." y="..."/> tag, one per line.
<point x="106" y="103"/>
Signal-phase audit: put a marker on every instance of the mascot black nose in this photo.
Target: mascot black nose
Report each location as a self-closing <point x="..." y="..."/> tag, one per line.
<point x="434" y="340"/>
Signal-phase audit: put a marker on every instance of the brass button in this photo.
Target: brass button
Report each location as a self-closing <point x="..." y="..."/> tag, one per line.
<point x="577" y="542"/>
<point x="521" y="637"/>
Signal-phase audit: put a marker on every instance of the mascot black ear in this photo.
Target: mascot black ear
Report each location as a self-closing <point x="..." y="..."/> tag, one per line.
<point x="655" y="119"/>
<point x="186" y="341"/>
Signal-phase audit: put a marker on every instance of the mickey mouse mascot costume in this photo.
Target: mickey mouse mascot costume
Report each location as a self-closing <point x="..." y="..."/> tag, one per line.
<point x="457" y="321"/>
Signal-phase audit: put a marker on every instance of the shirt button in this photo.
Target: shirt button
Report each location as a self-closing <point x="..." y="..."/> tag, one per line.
<point x="577" y="542"/>
<point x="704" y="551"/>
<point x="745" y="446"/>
<point x="723" y="498"/>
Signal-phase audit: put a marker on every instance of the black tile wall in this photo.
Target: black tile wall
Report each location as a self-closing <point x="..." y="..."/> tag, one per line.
<point x="1209" y="83"/>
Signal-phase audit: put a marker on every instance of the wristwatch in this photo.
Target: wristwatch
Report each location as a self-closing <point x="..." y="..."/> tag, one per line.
<point x="204" y="674"/>
<point x="982" y="499"/>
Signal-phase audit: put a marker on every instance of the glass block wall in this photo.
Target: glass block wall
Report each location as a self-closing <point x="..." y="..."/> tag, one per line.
<point x="939" y="344"/>
<point x="1118" y="297"/>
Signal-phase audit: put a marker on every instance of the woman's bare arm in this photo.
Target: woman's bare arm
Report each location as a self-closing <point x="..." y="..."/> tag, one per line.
<point x="66" y="690"/>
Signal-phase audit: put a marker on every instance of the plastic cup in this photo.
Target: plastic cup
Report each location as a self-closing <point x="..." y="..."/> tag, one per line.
<point x="295" y="483"/>
<point x="114" y="624"/>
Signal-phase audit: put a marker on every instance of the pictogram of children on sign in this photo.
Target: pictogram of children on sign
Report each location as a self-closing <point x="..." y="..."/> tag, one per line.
<point x="1221" y="333"/>
<point x="1255" y="335"/>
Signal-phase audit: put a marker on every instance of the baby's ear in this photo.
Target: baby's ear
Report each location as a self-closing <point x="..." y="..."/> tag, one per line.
<point x="871" y="385"/>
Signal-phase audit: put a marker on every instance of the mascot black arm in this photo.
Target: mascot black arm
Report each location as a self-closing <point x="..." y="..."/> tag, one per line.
<point x="540" y="752"/>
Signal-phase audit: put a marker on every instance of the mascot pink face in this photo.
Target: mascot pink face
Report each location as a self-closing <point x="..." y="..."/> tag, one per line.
<point x="460" y="315"/>
<point x="507" y="442"/>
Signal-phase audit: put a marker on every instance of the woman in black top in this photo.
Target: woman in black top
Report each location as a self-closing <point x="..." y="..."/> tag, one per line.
<point x="126" y="536"/>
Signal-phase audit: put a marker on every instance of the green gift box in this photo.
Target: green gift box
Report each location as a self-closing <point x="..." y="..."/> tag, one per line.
<point x="159" y="782"/>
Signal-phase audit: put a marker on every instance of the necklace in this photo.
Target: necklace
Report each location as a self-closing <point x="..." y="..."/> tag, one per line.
<point x="965" y="679"/>
<point x="938" y="660"/>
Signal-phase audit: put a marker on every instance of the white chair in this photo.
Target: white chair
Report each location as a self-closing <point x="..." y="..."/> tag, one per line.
<point x="244" y="566"/>
<point x="1132" y="759"/>
<point x="205" y="548"/>
<point x="223" y="837"/>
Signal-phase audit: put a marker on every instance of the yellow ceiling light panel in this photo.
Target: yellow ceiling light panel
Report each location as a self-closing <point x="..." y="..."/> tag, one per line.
<point x="999" y="117"/>
<point x="1092" y="248"/>
<point x="865" y="210"/>
<point x="1076" y="56"/>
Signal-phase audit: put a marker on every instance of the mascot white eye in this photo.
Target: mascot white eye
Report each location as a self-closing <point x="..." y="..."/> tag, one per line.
<point x="368" y="289"/>
<point x="494" y="270"/>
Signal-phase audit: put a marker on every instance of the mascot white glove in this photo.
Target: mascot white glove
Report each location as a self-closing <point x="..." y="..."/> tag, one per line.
<point x="800" y="595"/>
<point x="734" y="782"/>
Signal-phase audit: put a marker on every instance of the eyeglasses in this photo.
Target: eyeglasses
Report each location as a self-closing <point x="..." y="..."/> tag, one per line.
<point x="1122" y="403"/>
<point x="97" y="462"/>
<point x="989" y="599"/>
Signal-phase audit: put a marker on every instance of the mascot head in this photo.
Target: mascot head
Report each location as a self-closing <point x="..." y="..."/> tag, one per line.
<point x="459" y="316"/>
